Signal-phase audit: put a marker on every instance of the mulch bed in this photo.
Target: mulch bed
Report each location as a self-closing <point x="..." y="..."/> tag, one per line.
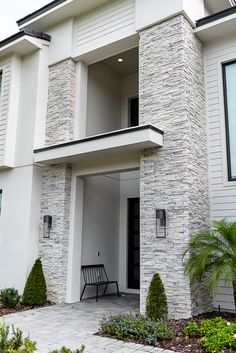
<point x="20" y="308"/>
<point x="193" y="345"/>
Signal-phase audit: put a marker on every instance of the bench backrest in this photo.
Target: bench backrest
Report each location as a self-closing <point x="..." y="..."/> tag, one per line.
<point x="94" y="274"/>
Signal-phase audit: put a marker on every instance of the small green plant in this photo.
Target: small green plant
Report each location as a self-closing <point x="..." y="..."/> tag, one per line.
<point x="216" y="334"/>
<point x="9" y="297"/>
<point x="136" y="328"/>
<point x="156" y="305"/>
<point x="35" y="291"/>
<point x="191" y="330"/>
<point x="67" y="350"/>
<point x="14" y="343"/>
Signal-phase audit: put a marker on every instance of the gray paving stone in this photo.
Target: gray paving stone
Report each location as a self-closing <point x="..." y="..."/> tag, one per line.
<point x="77" y="324"/>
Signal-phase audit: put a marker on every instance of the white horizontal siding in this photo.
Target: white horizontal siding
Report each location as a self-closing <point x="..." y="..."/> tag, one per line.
<point x="5" y="67"/>
<point x="104" y="25"/>
<point x="222" y="192"/>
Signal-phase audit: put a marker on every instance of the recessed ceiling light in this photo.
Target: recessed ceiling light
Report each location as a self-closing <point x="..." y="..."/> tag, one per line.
<point x="120" y="60"/>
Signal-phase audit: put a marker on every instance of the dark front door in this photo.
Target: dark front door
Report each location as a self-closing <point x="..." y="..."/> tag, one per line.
<point x="133" y="244"/>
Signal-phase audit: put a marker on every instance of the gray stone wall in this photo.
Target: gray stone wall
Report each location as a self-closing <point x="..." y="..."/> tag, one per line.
<point x="61" y="103"/>
<point x="175" y="176"/>
<point x="54" y="251"/>
<point x="56" y="189"/>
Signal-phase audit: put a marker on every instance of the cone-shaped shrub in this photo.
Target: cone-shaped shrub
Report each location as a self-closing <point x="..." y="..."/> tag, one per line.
<point x="156" y="305"/>
<point x="35" y="291"/>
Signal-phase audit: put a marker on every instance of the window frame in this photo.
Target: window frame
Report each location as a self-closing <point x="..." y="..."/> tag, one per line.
<point x="227" y="134"/>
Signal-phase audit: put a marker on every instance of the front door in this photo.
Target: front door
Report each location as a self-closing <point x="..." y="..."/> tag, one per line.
<point x="133" y="244"/>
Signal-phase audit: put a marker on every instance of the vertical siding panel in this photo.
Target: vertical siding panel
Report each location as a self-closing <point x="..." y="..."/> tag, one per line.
<point x="222" y="193"/>
<point x="5" y="67"/>
<point x="114" y="19"/>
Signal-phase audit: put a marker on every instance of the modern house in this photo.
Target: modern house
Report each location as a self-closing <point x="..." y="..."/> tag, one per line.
<point x="117" y="143"/>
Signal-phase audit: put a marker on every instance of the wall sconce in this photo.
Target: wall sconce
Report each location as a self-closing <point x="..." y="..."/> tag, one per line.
<point x="160" y="223"/>
<point x="47" y="225"/>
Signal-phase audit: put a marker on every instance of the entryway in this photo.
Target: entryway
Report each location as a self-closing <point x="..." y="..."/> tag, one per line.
<point x="106" y="231"/>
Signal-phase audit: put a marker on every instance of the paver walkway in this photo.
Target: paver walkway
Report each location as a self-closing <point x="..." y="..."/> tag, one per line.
<point x="74" y="325"/>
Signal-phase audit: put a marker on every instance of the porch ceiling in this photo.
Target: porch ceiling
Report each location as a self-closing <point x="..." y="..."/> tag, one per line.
<point x="110" y="144"/>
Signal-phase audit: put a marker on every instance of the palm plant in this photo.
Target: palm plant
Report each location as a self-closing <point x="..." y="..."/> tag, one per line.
<point x="213" y="254"/>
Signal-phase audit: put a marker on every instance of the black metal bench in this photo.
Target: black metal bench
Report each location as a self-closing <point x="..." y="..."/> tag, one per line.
<point x="96" y="276"/>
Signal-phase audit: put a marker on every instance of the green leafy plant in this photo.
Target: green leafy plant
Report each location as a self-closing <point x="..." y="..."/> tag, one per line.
<point x="35" y="291"/>
<point x="216" y="334"/>
<point x="135" y="327"/>
<point x="9" y="297"/>
<point x="213" y="253"/>
<point x="191" y="330"/>
<point x="67" y="350"/>
<point x="14" y="343"/>
<point x="156" y="305"/>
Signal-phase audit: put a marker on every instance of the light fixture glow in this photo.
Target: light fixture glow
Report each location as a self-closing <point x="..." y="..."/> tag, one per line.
<point x="120" y="60"/>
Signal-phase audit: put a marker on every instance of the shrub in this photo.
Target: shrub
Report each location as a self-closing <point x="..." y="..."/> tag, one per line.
<point x="156" y="305"/>
<point x="9" y="297"/>
<point x="35" y="291"/>
<point x="191" y="330"/>
<point x="135" y="327"/>
<point x="67" y="350"/>
<point x="216" y="334"/>
<point x="14" y="343"/>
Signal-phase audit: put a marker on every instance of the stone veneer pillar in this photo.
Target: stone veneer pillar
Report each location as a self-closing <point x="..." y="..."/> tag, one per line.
<point x="57" y="179"/>
<point x="61" y="103"/>
<point x="175" y="176"/>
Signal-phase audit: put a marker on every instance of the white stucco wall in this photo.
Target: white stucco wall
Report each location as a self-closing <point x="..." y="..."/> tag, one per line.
<point x="19" y="224"/>
<point x="104" y="99"/>
<point x="21" y="186"/>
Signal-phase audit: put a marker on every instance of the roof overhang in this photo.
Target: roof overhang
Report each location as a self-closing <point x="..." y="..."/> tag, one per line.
<point x="131" y="140"/>
<point x="57" y="11"/>
<point x="217" y="26"/>
<point x="22" y="43"/>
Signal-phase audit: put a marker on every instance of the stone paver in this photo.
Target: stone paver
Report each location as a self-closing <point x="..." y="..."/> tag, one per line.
<point x="72" y="325"/>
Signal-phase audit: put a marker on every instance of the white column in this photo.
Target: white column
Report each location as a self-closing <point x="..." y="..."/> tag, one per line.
<point x="75" y="240"/>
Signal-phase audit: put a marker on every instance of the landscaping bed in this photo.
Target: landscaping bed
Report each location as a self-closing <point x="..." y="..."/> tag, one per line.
<point x="20" y="307"/>
<point x="126" y="328"/>
<point x="180" y="344"/>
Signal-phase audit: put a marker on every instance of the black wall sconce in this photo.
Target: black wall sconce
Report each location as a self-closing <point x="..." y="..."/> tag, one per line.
<point x="47" y="225"/>
<point x="160" y="223"/>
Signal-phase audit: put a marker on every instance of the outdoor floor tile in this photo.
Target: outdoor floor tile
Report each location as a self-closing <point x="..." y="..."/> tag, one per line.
<point x="72" y="325"/>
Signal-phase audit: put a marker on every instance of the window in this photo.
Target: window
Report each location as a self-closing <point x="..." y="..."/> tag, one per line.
<point x="133" y="111"/>
<point x="229" y="82"/>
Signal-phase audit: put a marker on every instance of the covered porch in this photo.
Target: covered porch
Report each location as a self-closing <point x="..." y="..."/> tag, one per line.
<point x="106" y="231"/>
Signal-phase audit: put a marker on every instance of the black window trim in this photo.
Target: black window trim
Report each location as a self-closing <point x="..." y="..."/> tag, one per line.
<point x="229" y="167"/>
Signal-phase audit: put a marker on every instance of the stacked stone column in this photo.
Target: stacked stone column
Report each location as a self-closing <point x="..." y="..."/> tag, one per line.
<point x="57" y="179"/>
<point x="175" y="176"/>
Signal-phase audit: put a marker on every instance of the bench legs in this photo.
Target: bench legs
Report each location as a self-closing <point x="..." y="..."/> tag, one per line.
<point x="104" y="292"/>
<point x="83" y="292"/>
<point x="117" y="288"/>
<point x="105" y="289"/>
